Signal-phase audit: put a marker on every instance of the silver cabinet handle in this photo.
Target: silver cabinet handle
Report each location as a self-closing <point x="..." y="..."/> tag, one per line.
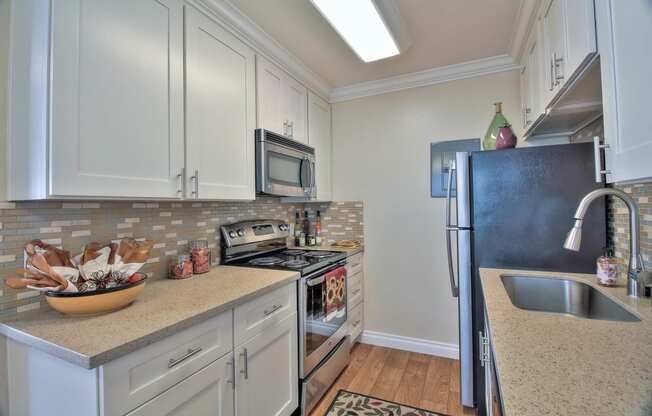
<point x="449" y="229"/>
<point x="176" y="361"/>
<point x="598" y="159"/>
<point x="195" y="180"/>
<point x="285" y="128"/>
<point x="181" y="182"/>
<point x="552" y="75"/>
<point x="231" y="364"/>
<point x="355" y="292"/>
<point x="273" y="309"/>
<point x="245" y="363"/>
<point x="527" y="113"/>
<point x="558" y="60"/>
<point x="291" y="128"/>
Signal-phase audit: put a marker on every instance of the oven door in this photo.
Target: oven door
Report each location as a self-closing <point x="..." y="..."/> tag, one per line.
<point x="284" y="171"/>
<point x="322" y="315"/>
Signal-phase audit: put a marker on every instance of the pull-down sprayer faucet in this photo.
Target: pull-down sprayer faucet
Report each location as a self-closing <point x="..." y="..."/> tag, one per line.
<point x="635" y="270"/>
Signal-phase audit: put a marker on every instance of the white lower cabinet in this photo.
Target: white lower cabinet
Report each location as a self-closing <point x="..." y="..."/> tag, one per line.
<point x="267" y="372"/>
<point x="198" y="371"/>
<point x="355" y="296"/>
<point x="209" y="392"/>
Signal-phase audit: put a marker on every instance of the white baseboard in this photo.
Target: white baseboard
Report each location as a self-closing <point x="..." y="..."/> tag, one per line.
<point x="424" y="346"/>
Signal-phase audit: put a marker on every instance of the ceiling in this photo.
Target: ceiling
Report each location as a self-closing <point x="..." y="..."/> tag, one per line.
<point x="443" y="32"/>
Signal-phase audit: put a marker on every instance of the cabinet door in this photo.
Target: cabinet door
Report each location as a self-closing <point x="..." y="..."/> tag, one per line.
<point x="580" y="34"/>
<point x="269" y="82"/>
<point x="319" y="137"/>
<point x="295" y="107"/>
<point x="208" y="392"/>
<point x="624" y="33"/>
<point x="535" y="87"/>
<point x="267" y="372"/>
<point x="554" y="59"/>
<point x="116" y="98"/>
<point x="220" y="111"/>
<point x="525" y="94"/>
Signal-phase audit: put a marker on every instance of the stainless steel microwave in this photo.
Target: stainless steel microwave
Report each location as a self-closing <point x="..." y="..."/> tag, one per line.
<point x="284" y="167"/>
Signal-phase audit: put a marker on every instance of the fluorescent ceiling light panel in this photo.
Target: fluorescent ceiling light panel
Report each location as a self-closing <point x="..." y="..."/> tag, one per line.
<point x="360" y="24"/>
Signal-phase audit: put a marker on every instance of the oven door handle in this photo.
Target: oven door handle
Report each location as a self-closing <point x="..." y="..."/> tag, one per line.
<point x="316" y="281"/>
<point x="323" y="272"/>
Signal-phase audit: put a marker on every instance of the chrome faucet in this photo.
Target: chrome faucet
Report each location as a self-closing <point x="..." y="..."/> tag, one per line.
<point x="635" y="270"/>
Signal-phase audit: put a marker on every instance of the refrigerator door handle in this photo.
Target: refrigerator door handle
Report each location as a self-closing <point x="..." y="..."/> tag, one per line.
<point x="449" y="229"/>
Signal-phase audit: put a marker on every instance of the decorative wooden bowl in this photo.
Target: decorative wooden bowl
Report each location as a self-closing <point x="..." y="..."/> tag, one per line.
<point x="96" y="301"/>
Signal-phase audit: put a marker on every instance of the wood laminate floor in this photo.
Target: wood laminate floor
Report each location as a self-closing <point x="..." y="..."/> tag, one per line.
<point x="414" y="379"/>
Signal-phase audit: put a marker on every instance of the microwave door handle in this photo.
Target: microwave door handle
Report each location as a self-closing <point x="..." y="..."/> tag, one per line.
<point x="301" y="172"/>
<point x="312" y="178"/>
<point x="449" y="229"/>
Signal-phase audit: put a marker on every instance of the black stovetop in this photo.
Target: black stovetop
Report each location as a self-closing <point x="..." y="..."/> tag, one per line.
<point x="304" y="261"/>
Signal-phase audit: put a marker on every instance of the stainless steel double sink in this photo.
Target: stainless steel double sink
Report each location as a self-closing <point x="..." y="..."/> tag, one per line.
<point x="563" y="296"/>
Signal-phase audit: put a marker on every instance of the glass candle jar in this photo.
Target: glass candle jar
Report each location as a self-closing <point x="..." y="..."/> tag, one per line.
<point x="607" y="270"/>
<point x="201" y="256"/>
<point x="181" y="268"/>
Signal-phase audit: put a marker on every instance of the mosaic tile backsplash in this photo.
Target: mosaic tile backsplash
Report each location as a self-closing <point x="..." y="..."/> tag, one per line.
<point x="170" y="224"/>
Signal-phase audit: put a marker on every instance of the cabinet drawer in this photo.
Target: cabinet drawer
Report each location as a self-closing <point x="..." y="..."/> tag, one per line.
<point x="265" y="311"/>
<point x="354" y="290"/>
<point x="354" y="264"/>
<point x="207" y="392"/>
<point x="130" y="381"/>
<point x="356" y="321"/>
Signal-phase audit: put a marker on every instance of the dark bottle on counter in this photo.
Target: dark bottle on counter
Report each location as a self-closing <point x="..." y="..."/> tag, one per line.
<point x="318" y="229"/>
<point x="297" y="229"/>
<point x="306" y="227"/>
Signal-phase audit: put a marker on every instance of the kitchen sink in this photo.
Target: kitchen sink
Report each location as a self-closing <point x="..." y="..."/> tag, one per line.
<point x="563" y="296"/>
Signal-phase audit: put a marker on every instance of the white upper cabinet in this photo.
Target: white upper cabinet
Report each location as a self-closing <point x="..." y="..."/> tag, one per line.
<point x="581" y="44"/>
<point x="282" y="102"/>
<point x="319" y="137"/>
<point x="115" y="92"/>
<point x="531" y="78"/>
<point x="220" y="112"/>
<point x="624" y="35"/>
<point x="562" y="92"/>
<point x="555" y="48"/>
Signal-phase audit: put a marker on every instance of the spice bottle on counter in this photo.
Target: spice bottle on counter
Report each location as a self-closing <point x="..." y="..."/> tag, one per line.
<point x="607" y="269"/>
<point x="200" y="255"/>
<point x="181" y="268"/>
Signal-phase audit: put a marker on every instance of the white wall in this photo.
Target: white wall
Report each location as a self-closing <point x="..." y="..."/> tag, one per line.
<point x="4" y="53"/>
<point x="381" y="156"/>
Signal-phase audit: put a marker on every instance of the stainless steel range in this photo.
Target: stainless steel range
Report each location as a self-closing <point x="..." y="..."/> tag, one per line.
<point x="323" y="343"/>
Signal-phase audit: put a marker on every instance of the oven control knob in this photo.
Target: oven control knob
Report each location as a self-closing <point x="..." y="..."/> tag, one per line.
<point x="240" y="233"/>
<point x="283" y="227"/>
<point x="232" y="234"/>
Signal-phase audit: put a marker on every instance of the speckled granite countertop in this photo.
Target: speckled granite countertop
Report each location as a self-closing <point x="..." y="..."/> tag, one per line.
<point x="348" y="251"/>
<point x="164" y="308"/>
<point x="551" y="364"/>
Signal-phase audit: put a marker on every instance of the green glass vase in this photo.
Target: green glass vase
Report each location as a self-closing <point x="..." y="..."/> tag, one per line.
<point x="499" y="120"/>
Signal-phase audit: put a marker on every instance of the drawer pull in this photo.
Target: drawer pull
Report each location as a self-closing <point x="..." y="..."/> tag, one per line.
<point x="356" y="323"/>
<point x="245" y="363"/>
<point x="274" y="308"/>
<point x="191" y="351"/>
<point x="355" y="292"/>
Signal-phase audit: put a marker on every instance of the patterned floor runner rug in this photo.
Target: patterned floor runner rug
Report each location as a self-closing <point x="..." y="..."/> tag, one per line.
<point x="347" y="403"/>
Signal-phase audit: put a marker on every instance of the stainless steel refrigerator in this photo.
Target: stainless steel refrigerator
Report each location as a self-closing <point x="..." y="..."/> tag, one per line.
<point x="512" y="209"/>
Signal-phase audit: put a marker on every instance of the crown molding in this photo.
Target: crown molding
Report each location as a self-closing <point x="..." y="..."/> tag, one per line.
<point x="254" y="36"/>
<point x="523" y="25"/>
<point x="432" y="76"/>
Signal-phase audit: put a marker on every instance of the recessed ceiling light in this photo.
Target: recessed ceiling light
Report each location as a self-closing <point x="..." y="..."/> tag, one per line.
<point x="362" y="27"/>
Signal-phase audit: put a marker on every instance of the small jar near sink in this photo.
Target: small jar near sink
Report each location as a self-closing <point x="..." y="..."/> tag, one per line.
<point x="607" y="269"/>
